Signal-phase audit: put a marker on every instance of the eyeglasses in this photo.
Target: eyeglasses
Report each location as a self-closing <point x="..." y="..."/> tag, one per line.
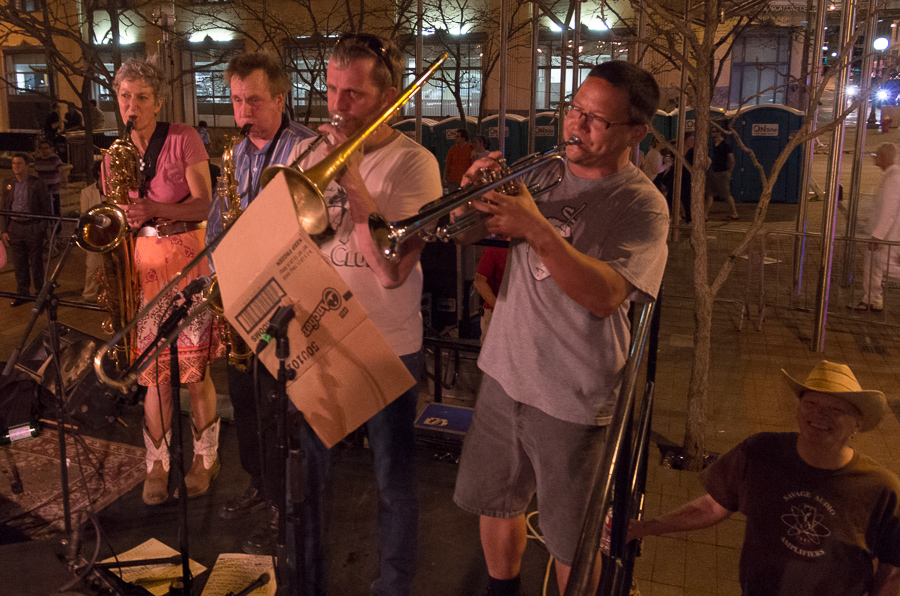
<point x="593" y="119"/>
<point x="370" y="42"/>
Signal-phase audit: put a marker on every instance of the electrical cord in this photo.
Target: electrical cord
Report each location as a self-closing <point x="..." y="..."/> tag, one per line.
<point x="531" y="533"/>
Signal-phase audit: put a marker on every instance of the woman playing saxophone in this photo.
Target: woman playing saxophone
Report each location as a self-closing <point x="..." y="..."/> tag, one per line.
<point x="168" y="214"/>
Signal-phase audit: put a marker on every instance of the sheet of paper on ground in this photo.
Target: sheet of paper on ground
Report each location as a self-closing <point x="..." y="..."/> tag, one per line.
<point x="154" y="578"/>
<point x="233" y="572"/>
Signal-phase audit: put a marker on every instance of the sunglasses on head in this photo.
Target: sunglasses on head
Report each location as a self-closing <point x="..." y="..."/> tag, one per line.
<point x="370" y="42"/>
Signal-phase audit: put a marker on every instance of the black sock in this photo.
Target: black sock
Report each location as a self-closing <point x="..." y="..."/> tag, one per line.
<point x="505" y="587"/>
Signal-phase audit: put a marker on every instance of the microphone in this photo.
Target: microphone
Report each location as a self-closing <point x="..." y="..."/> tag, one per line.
<point x="95" y="219"/>
<point x="195" y="287"/>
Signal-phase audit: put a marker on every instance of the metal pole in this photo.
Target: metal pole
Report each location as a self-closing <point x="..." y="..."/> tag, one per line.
<point x="808" y="148"/>
<point x="639" y="58"/>
<point x="576" y="48"/>
<point x="563" y="49"/>
<point x="504" y="54"/>
<point x="682" y="120"/>
<point x="865" y="77"/>
<point x="420" y="49"/>
<point x="532" y="107"/>
<point x="830" y="213"/>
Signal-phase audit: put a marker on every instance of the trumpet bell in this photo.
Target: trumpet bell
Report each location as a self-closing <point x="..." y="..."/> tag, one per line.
<point x="102" y="238"/>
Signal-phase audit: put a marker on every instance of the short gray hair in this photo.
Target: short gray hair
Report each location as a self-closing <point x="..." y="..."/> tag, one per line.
<point x="142" y="69"/>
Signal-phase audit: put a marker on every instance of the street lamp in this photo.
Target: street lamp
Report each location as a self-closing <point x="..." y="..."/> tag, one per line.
<point x="880" y="45"/>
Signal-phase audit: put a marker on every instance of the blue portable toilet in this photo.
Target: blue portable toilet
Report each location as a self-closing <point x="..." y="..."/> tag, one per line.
<point x="766" y="130"/>
<point x="546" y="131"/>
<point x="662" y="123"/>
<point x="690" y="121"/>
<point x="516" y="131"/>
<point x="408" y="127"/>
<point x="445" y="135"/>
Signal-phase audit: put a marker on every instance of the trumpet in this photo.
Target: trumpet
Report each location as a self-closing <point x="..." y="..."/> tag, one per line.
<point x="390" y="236"/>
<point x="312" y="214"/>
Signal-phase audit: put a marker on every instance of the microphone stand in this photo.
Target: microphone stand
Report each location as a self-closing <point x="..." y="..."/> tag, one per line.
<point x="289" y="458"/>
<point x="176" y="447"/>
<point x="176" y="450"/>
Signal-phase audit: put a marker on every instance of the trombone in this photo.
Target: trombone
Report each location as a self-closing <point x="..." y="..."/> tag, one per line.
<point x="306" y="190"/>
<point x="389" y="236"/>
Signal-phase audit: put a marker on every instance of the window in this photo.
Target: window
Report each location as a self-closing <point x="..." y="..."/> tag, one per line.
<point x="760" y="64"/>
<point x="28" y="73"/>
<point x="107" y="99"/>
<point x="307" y="59"/>
<point x="212" y="95"/>
<point x="27" y="5"/>
<point x="595" y="48"/>
<point x="438" y="99"/>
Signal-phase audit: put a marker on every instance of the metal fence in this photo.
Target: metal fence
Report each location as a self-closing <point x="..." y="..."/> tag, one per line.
<point x="780" y="270"/>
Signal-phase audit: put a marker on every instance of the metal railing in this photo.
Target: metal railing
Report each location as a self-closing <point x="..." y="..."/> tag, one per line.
<point x="781" y="284"/>
<point x="622" y="472"/>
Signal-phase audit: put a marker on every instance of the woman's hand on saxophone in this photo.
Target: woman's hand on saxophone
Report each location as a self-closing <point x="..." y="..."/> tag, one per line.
<point x="141" y="211"/>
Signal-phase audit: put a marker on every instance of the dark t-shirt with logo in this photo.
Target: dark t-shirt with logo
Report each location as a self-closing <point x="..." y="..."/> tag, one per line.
<point x="809" y="531"/>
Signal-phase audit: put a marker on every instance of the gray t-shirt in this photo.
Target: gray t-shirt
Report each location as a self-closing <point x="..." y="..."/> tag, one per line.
<point x="546" y="350"/>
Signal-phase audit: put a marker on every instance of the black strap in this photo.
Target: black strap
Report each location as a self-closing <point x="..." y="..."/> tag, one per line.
<point x="285" y="122"/>
<point x="151" y="155"/>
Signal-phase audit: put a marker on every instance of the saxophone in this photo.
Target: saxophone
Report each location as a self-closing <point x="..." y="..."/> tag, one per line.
<point x="239" y="353"/>
<point x="119" y="293"/>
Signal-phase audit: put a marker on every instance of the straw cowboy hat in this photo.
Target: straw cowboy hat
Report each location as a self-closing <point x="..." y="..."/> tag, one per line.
<point x="837" y="379"/>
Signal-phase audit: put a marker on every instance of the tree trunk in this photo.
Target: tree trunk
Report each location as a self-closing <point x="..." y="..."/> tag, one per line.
<point x="698" y="388"/>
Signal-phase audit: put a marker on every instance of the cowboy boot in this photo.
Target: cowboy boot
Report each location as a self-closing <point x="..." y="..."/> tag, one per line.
<point x="205" y="466"/>
<point x="156" y="485"/>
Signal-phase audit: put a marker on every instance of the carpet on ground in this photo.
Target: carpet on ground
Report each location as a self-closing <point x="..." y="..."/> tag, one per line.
<point x="99" y="473"/>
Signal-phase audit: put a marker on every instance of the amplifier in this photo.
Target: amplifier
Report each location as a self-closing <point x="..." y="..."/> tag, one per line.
<point x="441" y="428"/>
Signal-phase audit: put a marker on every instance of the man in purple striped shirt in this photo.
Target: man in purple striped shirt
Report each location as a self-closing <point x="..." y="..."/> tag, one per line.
<point x="259" y="86"/>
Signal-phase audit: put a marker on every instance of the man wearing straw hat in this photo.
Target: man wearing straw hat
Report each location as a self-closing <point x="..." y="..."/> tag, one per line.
<point x="819" y="514"/>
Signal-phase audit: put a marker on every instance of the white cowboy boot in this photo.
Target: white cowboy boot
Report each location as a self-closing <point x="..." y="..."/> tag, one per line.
<point x="205" y="466"/>
<point x="156" y="485"/>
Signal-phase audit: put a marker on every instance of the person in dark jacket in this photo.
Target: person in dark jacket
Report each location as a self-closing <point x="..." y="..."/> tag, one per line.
<point x="24" y="236"/>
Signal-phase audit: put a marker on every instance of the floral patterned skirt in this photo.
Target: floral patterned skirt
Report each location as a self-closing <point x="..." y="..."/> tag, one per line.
<point x="157" y="262"/>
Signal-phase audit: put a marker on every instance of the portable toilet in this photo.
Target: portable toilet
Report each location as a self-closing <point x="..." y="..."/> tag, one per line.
<point x="715" y="114"/>
<point x="546" y="131"/>
<point x="766" y="130"/>
<point x="662" y="123"/>
<point x="515" y="131"/>
<point x="408" y="127"/>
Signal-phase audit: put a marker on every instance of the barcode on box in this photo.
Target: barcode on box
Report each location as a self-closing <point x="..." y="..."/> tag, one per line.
<point x="259" y="307"/>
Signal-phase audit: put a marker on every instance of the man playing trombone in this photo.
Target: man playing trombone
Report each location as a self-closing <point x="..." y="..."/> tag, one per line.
<point x="258" y="86"/>
<point x="554" y="358"/>
<point x="393" y="176"/>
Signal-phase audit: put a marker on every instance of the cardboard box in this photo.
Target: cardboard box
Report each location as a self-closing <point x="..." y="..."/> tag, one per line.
<point x="345" y="370"/>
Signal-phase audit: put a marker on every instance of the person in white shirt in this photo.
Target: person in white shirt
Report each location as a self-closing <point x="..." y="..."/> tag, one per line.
<point x="884" y="224"/>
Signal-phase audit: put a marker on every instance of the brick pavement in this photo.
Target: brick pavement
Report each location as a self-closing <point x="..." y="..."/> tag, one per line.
<point x="748" y="395"/>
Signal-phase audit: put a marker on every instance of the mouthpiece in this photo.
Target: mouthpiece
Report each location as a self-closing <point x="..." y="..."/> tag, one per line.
<point x="245" y="129"/>
<point x="129" y="125"/>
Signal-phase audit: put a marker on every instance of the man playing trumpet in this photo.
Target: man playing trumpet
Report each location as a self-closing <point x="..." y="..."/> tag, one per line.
<point x="555" y="355"/>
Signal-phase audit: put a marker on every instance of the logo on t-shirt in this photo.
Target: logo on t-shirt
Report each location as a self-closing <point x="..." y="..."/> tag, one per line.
<point x="563" y="225"/>
<point x="806" y="522"/>
<point x="343" y="253"/>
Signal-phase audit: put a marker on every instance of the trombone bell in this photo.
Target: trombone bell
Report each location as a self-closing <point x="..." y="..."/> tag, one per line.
<point x="309" y="203"/>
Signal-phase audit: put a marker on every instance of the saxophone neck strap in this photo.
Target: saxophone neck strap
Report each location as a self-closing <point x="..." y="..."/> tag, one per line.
<point x="151" y="155"/>
<point x="285" y="122"/>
